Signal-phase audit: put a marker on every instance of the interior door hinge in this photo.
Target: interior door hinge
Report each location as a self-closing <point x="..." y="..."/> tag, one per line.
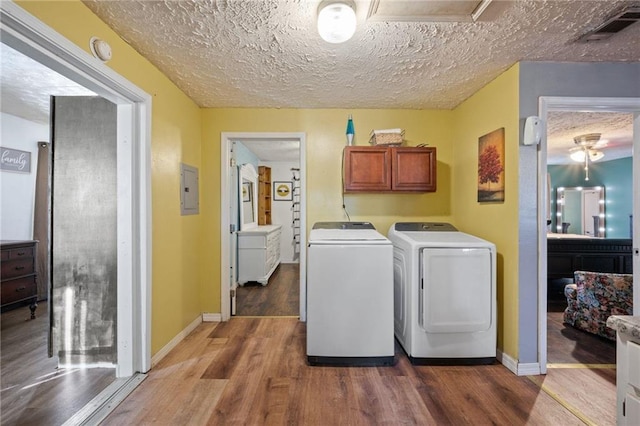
<point x="232" y="293"/>
<point x="232" y="162"/>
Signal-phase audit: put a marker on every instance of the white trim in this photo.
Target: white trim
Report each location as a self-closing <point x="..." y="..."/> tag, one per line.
<point x="507" y="361"/>
<point x="528" y="369"/>
<point x="211" y="317"/>
<point x="226" y="139"/>
<point x="175" y="341"/>
<point x="557" y="103"/>
<point x="636" y="214"/>
<point x="30" y="36"/>
<point x="517" y="368"/>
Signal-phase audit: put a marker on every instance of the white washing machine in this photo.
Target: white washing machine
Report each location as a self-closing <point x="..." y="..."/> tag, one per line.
<point x="444" y="294"/>
<point x="349" y="295"/>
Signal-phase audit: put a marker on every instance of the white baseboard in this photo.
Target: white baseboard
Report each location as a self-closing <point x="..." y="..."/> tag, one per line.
<point x="174" y="342"/>
<point x="209" y="317"/>
<point x="519" y="369"/>
<point x="529" y="369"/>
<point x="507" y="361"/>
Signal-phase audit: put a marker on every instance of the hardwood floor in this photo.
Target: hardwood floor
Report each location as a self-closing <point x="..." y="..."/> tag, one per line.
<point x="34" y="390"/>
<point x="280" y="297"/>
<point x="581" y="369"/>
<point x="253" y="371"/>
<point x="568" y="345"/>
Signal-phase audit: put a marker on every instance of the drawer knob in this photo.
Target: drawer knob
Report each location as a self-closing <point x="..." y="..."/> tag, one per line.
<point x="19" y="268"/>
<point x="19" y="289"/>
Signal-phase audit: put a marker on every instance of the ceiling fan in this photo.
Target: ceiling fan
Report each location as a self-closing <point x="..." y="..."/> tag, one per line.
<point x="587" y="149"/>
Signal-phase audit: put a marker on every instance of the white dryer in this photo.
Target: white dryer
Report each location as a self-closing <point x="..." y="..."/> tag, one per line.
<point x="349" y="295"/>
<point x="444" y="294"/>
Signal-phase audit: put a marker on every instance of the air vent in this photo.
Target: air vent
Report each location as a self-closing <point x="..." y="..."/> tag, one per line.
<point x="613" y="25"/>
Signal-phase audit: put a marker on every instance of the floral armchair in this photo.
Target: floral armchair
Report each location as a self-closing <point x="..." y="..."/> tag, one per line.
<point x="594" y="296"/>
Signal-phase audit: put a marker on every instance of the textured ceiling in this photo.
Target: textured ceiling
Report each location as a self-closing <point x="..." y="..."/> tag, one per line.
<point x="27" y="86"/>
<point x="616" y="131"/>
<point x="267" y="53"/>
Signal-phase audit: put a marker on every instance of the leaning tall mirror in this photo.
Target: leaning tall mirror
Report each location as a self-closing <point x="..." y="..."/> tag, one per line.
<point x="248" y="191"/>
<point x="580" y="211"/>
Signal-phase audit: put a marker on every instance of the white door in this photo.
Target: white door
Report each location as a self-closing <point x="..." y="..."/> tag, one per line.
<point x="233" y="236"/>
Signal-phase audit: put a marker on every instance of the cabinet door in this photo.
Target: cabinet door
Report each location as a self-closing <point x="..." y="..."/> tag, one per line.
<point x="413" y="169"/>
<point x="632" y="411"/>
<point x="367" y="169"/>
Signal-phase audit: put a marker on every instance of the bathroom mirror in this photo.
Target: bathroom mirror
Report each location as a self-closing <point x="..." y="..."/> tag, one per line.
<point x="248" y="192"/>
<point x="580" y="210"/>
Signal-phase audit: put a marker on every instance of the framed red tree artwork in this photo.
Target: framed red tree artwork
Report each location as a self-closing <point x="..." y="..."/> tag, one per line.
<point x="491" y="166"/>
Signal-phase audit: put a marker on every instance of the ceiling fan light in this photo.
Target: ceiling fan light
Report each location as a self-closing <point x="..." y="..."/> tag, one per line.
<point x="336" y="21"/>
<point x="595" y="155"/>
<point x="587" y="140"/>
<point x="578" y="156"/>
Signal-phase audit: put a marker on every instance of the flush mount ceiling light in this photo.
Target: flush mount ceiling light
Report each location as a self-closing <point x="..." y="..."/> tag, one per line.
<point x="586" y="150"/>
<point x="336" y="20"/>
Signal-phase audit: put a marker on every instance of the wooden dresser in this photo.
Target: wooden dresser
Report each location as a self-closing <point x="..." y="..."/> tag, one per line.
<point x="19" y="274"/>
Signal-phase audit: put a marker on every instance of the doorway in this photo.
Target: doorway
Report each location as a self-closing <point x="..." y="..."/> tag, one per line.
<point x="27" y="35"/>
<point x="547" y="105"/>
<point x="283" y="173"/>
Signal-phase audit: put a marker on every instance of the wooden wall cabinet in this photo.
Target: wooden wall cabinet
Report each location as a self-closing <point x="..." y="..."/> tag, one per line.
<point x="389" y="169"/>
<point x="19" y="274"/>
<point x="264" y="195"/>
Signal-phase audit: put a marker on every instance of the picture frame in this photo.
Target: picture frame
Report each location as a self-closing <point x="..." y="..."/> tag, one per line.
<point x="246" y="192"/>
<point x="491" y="165"/>
<point x="15" y="160"/>
<point x="282" y="191"/>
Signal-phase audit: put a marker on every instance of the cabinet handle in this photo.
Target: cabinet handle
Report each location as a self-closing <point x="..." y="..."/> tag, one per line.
<point x="22" y="253"/>
<point x="19" y="268"/>
<point x="19" y="289"/>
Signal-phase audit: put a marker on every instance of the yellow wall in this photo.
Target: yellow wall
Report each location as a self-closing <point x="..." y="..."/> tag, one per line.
<point x="186" y="250"/>
<point x="325" y="140"/>
<point x="176" y="138"/>
<point x="492" y="107"/>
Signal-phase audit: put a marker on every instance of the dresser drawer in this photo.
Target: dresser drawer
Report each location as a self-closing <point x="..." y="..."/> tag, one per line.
<point x="21" y="253"/>
<point x="251" y="242"/>
<point x="19" y="289"/>
<point x="17" y="267"/>
<point x="273" y="237"/>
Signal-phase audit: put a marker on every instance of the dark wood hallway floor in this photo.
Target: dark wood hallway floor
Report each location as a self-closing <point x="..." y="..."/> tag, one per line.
<point x="280" y="297"/>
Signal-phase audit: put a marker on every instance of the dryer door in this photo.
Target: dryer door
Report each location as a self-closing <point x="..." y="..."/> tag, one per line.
<point x="456" y="291"/>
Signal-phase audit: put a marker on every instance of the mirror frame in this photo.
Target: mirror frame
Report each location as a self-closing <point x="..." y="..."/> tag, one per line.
<point x="248" y="172"/>
<point x="560" y="191"/>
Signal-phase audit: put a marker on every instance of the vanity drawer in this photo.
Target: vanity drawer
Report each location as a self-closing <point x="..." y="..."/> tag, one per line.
<point x="19" y="289"/>
<point x="251" y="242"/>
<point x="17" y="267"/>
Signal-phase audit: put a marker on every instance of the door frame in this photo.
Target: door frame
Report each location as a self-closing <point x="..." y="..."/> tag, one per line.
<point x="586" y="104"/>
<point x="226" y="141"/>
<point x="31" y="37"/>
